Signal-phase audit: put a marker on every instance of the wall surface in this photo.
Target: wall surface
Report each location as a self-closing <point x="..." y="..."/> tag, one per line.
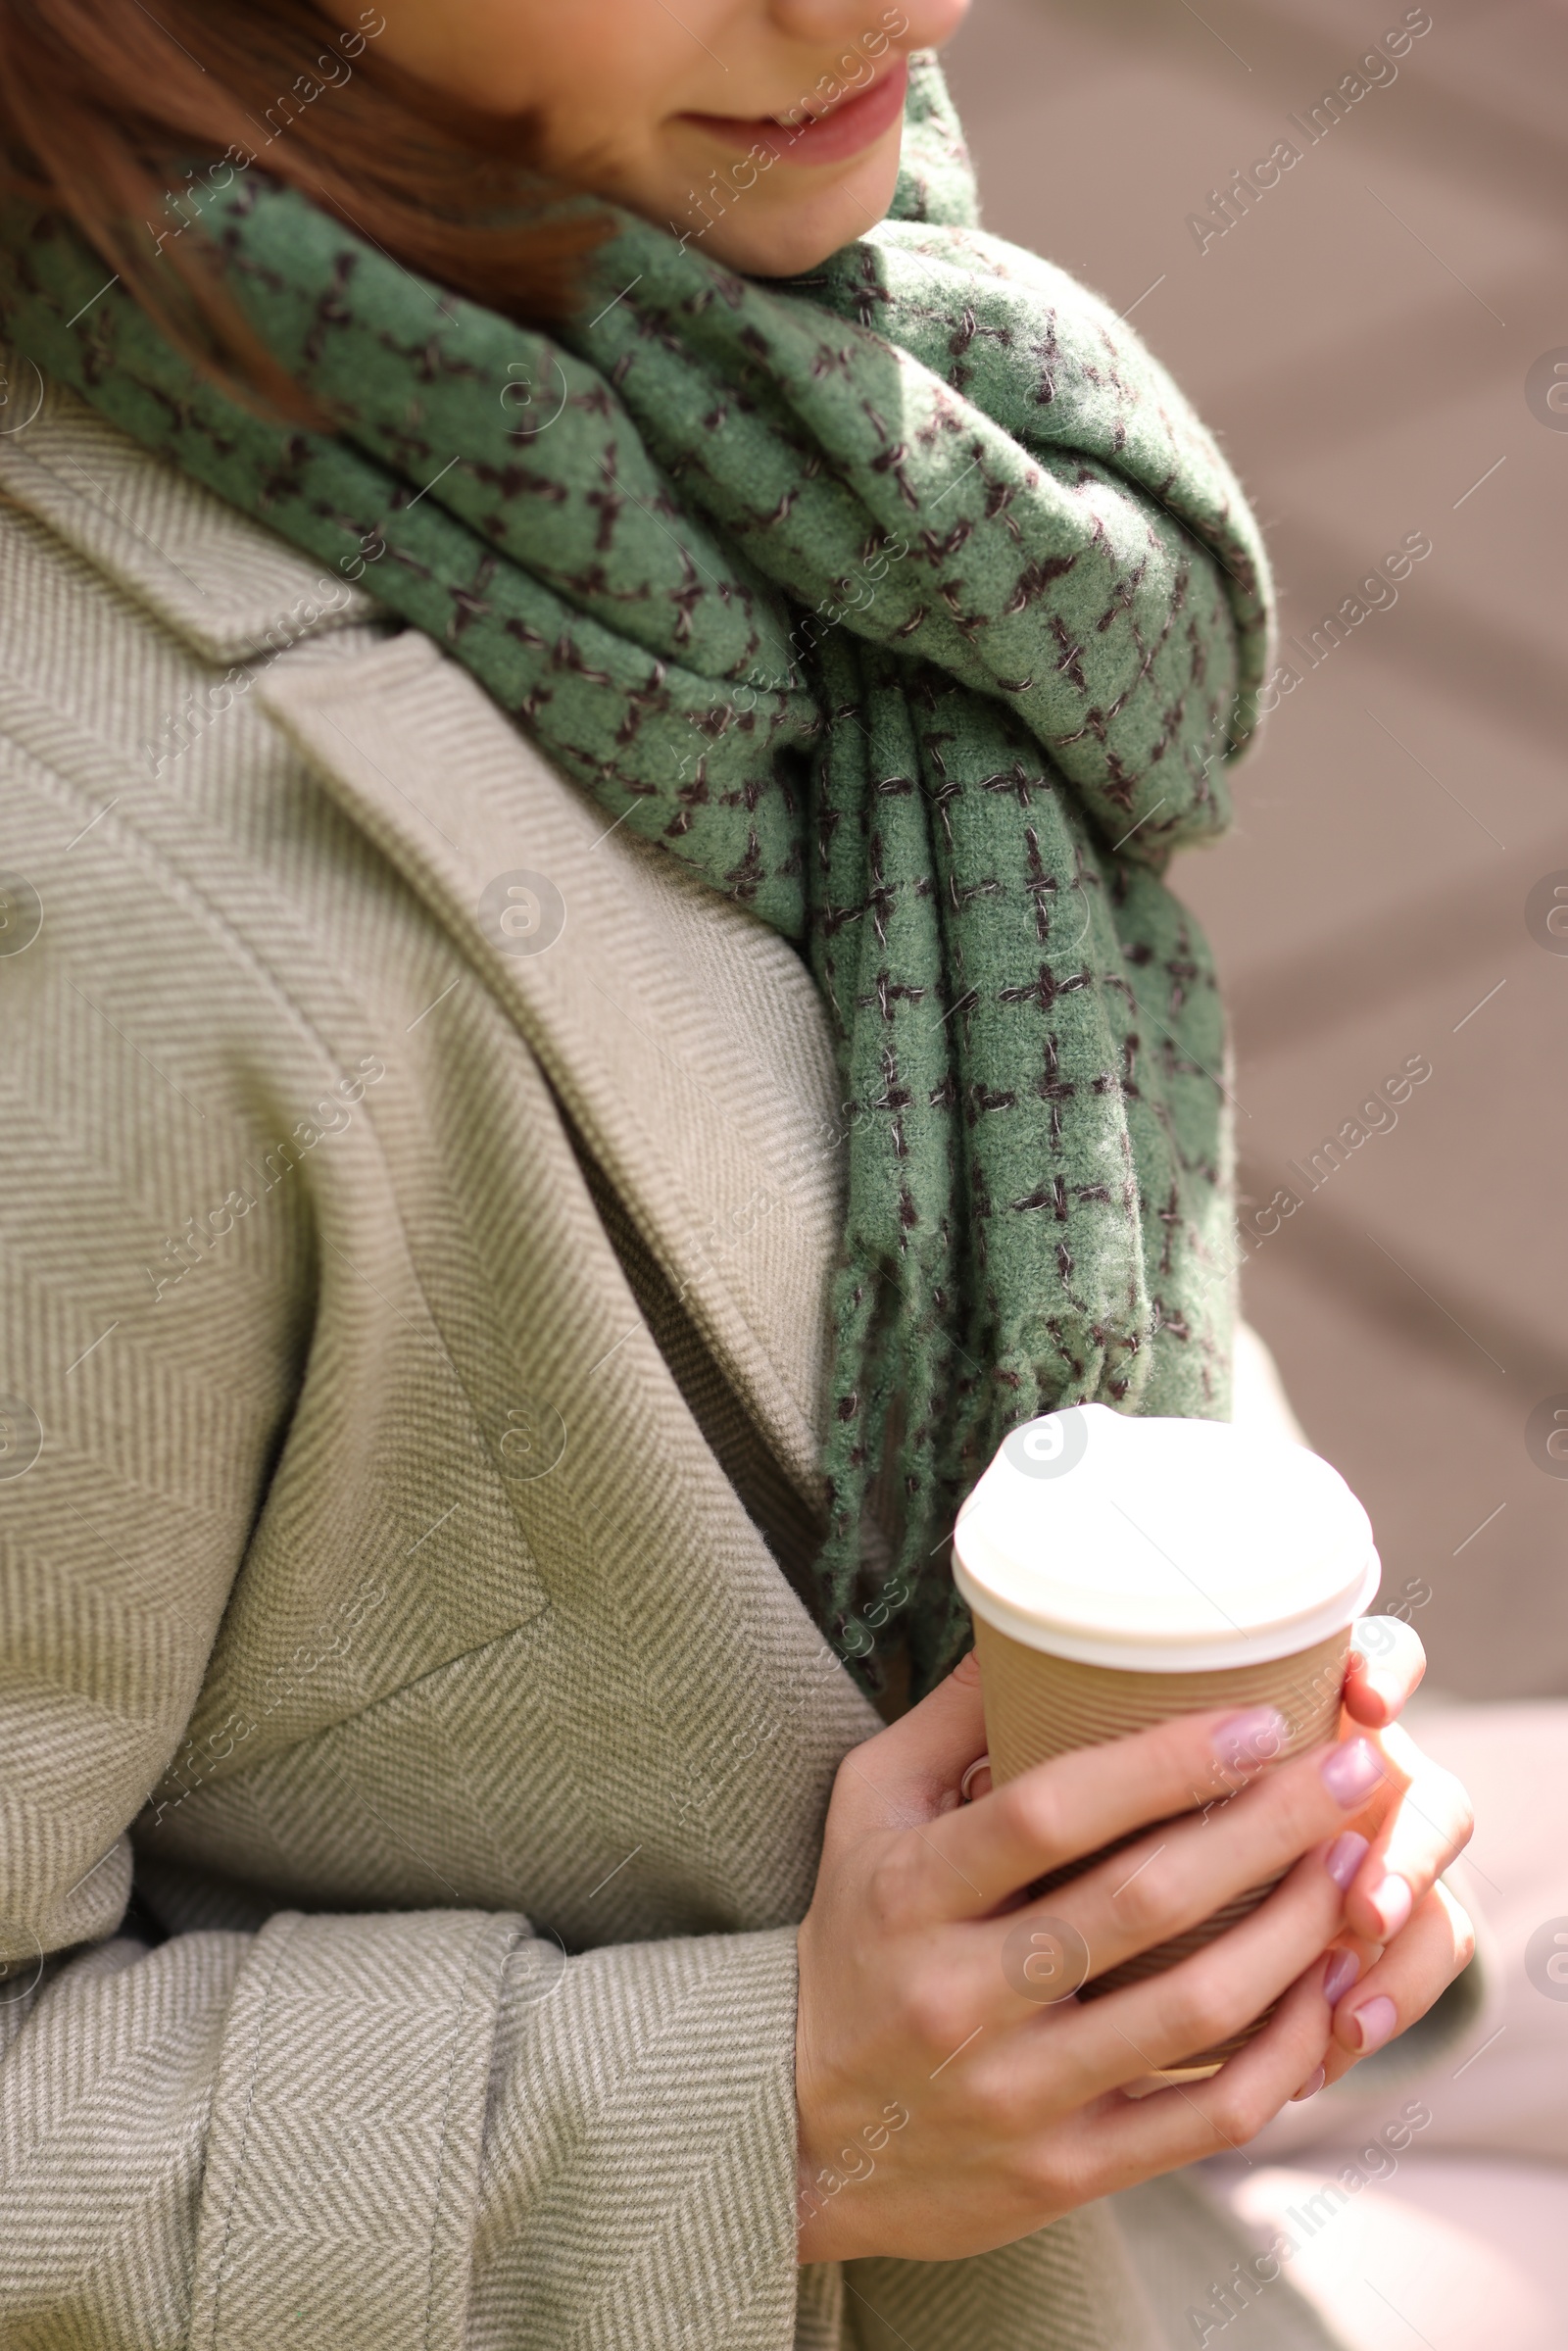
<point x="1374" y="337"/>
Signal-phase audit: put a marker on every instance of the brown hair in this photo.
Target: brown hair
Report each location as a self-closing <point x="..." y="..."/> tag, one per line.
<point x="105" y="107"/>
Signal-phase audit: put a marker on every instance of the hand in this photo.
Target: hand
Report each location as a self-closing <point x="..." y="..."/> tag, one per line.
<point x="943" y="2106"/>
<point x="1406" y="1935"/>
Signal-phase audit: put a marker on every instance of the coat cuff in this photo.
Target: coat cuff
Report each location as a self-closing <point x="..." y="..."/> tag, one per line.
<point x="344" y="2146"/>
<point x="640" y="2166"/>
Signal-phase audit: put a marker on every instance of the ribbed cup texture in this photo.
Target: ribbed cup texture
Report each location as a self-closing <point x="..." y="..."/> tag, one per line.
<point x="1038" y="1706"/>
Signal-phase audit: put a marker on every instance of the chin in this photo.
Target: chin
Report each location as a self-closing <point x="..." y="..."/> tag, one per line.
<point x="787" y="226"/>
<point x="789" y="249"/>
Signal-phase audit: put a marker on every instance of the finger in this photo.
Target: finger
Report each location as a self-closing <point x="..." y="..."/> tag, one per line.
<point x="911" y="1771"/>
<point x="1403" y="1984"/>
<point x="1204" y="2000"/>
<point x="1138" y="2137"/>
<point x="1185" y="1870"/>
<point x="1345" y="1962"/>
<point x="976" y="1857"/>
<point x="1387" y="1663"/>
<point x="1427" y="1825"/>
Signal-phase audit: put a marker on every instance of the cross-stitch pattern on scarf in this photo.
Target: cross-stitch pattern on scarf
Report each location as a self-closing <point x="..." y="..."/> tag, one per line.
<point x="1046" y="613"/>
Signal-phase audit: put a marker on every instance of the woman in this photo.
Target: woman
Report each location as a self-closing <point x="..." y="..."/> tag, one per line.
<point x="592" y="1017"/>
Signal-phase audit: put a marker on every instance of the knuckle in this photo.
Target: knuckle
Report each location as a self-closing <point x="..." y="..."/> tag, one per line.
<point x="890" y="1890"/>
<point x="1238" y="2113"/>
<point x="933" y="2013"/>
<point x="1465" y="1937"/>
<point x="1458" y="1809"/>
<point x="1415" y="1648"/>
<point x="1148" y="1901"/>
<point x="1196" y="2010"/>
<point x="997" y="2098"/>
<point x="1045" y="2182"/>
<point x="1034" y="1812"/>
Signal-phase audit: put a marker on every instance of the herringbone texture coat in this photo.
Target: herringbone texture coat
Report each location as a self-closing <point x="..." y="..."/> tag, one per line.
<point x="412" y="1358"/>
<point x="960" y="792"/>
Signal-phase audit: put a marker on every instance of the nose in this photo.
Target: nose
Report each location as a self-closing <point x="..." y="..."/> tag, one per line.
<point x="909" y="25"/>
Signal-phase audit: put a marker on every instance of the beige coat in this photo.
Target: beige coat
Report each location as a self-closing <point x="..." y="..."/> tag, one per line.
<point x="413" y="1352"/>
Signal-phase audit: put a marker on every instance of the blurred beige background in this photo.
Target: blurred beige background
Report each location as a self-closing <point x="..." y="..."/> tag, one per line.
<point x="1360" y="338"/>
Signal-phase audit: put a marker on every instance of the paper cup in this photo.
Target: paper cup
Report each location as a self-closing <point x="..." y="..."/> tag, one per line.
<point x="1120" y="1571"/>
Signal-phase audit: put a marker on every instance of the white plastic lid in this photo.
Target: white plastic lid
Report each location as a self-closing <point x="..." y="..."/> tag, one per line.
<point x="1163" y="1546"/>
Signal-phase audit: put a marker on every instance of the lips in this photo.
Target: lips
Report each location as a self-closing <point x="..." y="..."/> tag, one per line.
<point x="847" y="128"/>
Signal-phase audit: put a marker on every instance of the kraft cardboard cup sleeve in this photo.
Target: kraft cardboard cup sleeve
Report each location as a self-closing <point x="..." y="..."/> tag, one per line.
<point x="1120" y="1571"/>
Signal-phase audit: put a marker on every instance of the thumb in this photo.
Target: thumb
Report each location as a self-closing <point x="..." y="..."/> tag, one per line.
<point x="912" y="1770"/>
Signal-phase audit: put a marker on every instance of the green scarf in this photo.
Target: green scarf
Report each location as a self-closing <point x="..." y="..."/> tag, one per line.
<point x="908" y="604"/>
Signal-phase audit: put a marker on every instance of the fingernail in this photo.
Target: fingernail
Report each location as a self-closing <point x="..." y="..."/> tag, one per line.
<point x="1392" y="1903"/>
<point x="1342" y="1971"/>
<point x="1344" y="1858"/>
<point x="1373" y="2024"/>
<point x="1246" y="1740"/>
<point x="1311" y="2086"/>
<point x="1352" y="1771"/>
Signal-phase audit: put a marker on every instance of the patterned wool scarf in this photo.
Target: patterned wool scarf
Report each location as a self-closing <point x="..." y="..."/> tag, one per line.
<point x="908" y="605"/>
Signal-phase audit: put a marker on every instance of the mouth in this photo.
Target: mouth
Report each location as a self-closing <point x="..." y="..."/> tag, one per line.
<point x="846" y="128"/>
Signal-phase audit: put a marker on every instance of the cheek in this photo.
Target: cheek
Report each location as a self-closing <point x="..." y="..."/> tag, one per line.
<point x="593" y="72"/>
<point x="596" y="124"/>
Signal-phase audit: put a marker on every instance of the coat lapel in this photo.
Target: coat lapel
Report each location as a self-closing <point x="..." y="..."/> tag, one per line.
<point x="685" y="1040"/>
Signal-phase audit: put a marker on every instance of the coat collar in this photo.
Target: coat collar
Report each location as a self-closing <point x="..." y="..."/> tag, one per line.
<point x="231" y="589"/>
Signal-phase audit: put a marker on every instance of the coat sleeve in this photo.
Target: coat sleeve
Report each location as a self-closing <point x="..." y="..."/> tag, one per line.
<point x="422" y="2129"/>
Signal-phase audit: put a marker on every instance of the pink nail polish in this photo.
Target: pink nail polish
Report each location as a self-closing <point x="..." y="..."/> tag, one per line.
<point x="1344" y="1858"/>
<point x="1244" y="1742"/>
<point x="1352" y="1771"/>
<point x="1374" y="2023"/>
<point x="1310" y="2087"/>
<point x="1392" y="1903"/>
<point x="1342" y="1971"/>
